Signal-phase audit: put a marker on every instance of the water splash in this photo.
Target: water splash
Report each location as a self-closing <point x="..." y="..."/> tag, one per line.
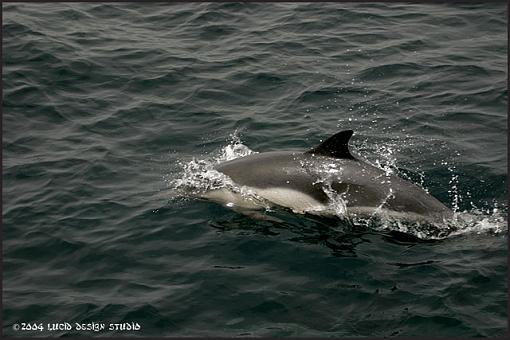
<point x="337" y="201"/>
<point x="454" y="189"/>
<point x="480" y="221"/>
<point x="234" y="149"/>
<point x="387" y="161"/>
<point x="197" y="176"/>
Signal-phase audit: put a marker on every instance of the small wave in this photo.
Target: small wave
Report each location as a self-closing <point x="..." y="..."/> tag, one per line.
<point x="395" y="70"/>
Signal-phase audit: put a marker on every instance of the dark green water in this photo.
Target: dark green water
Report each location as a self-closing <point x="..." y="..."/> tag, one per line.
<point x="107" y="107"/>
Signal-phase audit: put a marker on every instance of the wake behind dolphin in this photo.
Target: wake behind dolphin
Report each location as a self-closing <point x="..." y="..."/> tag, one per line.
<point x="311" y="181"/>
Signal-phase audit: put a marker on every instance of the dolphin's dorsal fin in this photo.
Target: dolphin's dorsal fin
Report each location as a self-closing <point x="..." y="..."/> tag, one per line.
<point x="335" y="146"/>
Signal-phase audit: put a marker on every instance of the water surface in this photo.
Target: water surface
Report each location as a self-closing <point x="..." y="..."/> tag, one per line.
<point x="105" y="106"/>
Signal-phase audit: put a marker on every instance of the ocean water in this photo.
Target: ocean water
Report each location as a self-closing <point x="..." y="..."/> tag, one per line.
<point x="110" y="109"/>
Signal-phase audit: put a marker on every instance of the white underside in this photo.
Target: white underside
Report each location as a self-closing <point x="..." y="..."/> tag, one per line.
<point x="298" y="202"/>
<point x="264" y="198"/>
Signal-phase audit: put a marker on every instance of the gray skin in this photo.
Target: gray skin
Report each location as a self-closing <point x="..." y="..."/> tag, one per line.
<point x="364" y="188"/>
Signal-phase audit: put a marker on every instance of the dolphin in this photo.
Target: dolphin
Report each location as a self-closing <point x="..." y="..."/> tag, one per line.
<point x="311" y="181"/>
